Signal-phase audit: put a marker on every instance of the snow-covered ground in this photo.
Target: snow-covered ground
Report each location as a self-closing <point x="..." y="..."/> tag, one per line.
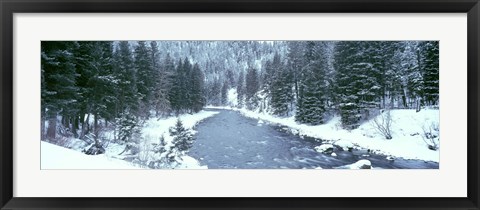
<point x="407" y="130"/>
<point x="57" y="157"/>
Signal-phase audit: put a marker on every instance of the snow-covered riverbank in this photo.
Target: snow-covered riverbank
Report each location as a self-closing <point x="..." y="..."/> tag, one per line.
<point x="70" y="156"/>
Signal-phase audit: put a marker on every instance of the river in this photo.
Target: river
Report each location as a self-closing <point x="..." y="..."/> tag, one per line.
<point x="230" y="140"/>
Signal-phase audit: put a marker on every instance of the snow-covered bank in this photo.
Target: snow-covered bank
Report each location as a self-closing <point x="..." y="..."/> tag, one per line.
<point x="70" y="156"/>
<point x="154" y="129"/>
<point x="56" y="157"/>
<point x="407" y="131"/>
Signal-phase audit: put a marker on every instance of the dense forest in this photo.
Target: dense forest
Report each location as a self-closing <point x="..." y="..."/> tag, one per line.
<point x="120" y="84"/>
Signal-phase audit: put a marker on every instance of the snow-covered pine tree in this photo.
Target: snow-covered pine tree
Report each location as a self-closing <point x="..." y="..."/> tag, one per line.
<point x="60" y="94"/>
<point x="129" y="132"/>
<point x="197" y="87"/>
<point x="251" y="88"/>
<point x="313" y="85"/>
<point x="429" y="66"/>
<point x="145" y="77"/>
<point x="176" y="94"/>
<point x="163" y="86"/>
<point x="295" y="62"/>
<point x="182" y="139"/>
<point x="240" y="90"/>
<point x="127" y="93"/>
<point x="280" y="87"/>
<point x="187" y="85"/>
<point x="224" y="93"/>
<point x="352" y="70"/>
<point x="99" y="89"/>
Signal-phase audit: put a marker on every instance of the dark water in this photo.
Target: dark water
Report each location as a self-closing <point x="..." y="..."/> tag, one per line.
<point x="229" y="140"/>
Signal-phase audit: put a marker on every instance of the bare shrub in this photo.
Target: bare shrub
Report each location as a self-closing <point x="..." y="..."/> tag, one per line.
<point x="431" y="135"/>
<point x="383" y="123"/>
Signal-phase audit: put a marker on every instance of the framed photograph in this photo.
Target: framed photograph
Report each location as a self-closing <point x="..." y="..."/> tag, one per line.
<point x="239" y="105"/>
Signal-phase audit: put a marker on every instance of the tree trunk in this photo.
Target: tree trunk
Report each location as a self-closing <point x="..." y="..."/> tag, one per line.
<point x="95" y="131"/>
<point x="84" y="126"/>
<point x="42" y="124"/>
<point x="52" y="128"/>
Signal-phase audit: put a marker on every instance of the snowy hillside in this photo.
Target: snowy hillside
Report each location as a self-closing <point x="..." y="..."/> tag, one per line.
<point x="56" y="157"/>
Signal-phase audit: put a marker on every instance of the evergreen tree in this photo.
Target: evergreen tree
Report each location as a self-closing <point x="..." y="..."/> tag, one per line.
<point x="280" y="87"/>
<point x="176" y="94"/>
<point x="313" y="85"/>
<point x="429" y="66"/>
<point x="241" y="90"/>
<point x="145" y="76"/>
<point x="224" y="96"/>
<point x="128" y="97"/>
<point x="296" y="62"/>
<point x="60" y="90"/>
<point x="197" y="94"/>
<point x="182" y="138"/>
<point x="100" y="84"/>
<point x="357" y="87"/>
<point x="163" y="86"/>
<point x="187" y="86"/>
<point x="251" y="88"/>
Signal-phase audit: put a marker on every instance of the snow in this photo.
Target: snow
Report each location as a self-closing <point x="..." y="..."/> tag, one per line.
<point x="232" y="97"/>
<point x="324" y="147"/>
<point x="56" y="157"/>
<point x="361" y="164"/>
<point x="407" y="131"/>
<point x="190" y="163"/>
<point x="344" y="144"/>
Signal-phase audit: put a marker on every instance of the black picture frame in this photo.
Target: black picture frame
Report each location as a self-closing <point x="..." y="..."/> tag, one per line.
<point x="9" y="7"/>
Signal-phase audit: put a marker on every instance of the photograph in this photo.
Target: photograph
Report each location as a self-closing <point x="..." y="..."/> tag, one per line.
<point x="240" y="104"/>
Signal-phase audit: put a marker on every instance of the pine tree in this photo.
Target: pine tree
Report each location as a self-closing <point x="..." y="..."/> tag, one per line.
<point x="128" y="97"/>
<point x="240" y="90"/>
<point x="280" y="87"/>
<point x="99" y="84"/>
<point x="429" y="66"/>
<point x="251" y="88"/>
<point x="187" y="86"/>
<point x="60" y="94"/>
<point x="224" y="93"/>
<point x="197" y="94"/>
<point x="145" y="77"/>
<point x="313" y="84"/>
<point x="355" y="82"/>
<point x="182" y="138"/>
<point x="176" y="94"/>
<point x="296" y="62"/>
<point x="163" y="86"/>
<point x="129" y="134"/>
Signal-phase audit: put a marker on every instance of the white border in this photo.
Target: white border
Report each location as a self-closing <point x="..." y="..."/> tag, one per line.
<point x="448" y="181"/>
